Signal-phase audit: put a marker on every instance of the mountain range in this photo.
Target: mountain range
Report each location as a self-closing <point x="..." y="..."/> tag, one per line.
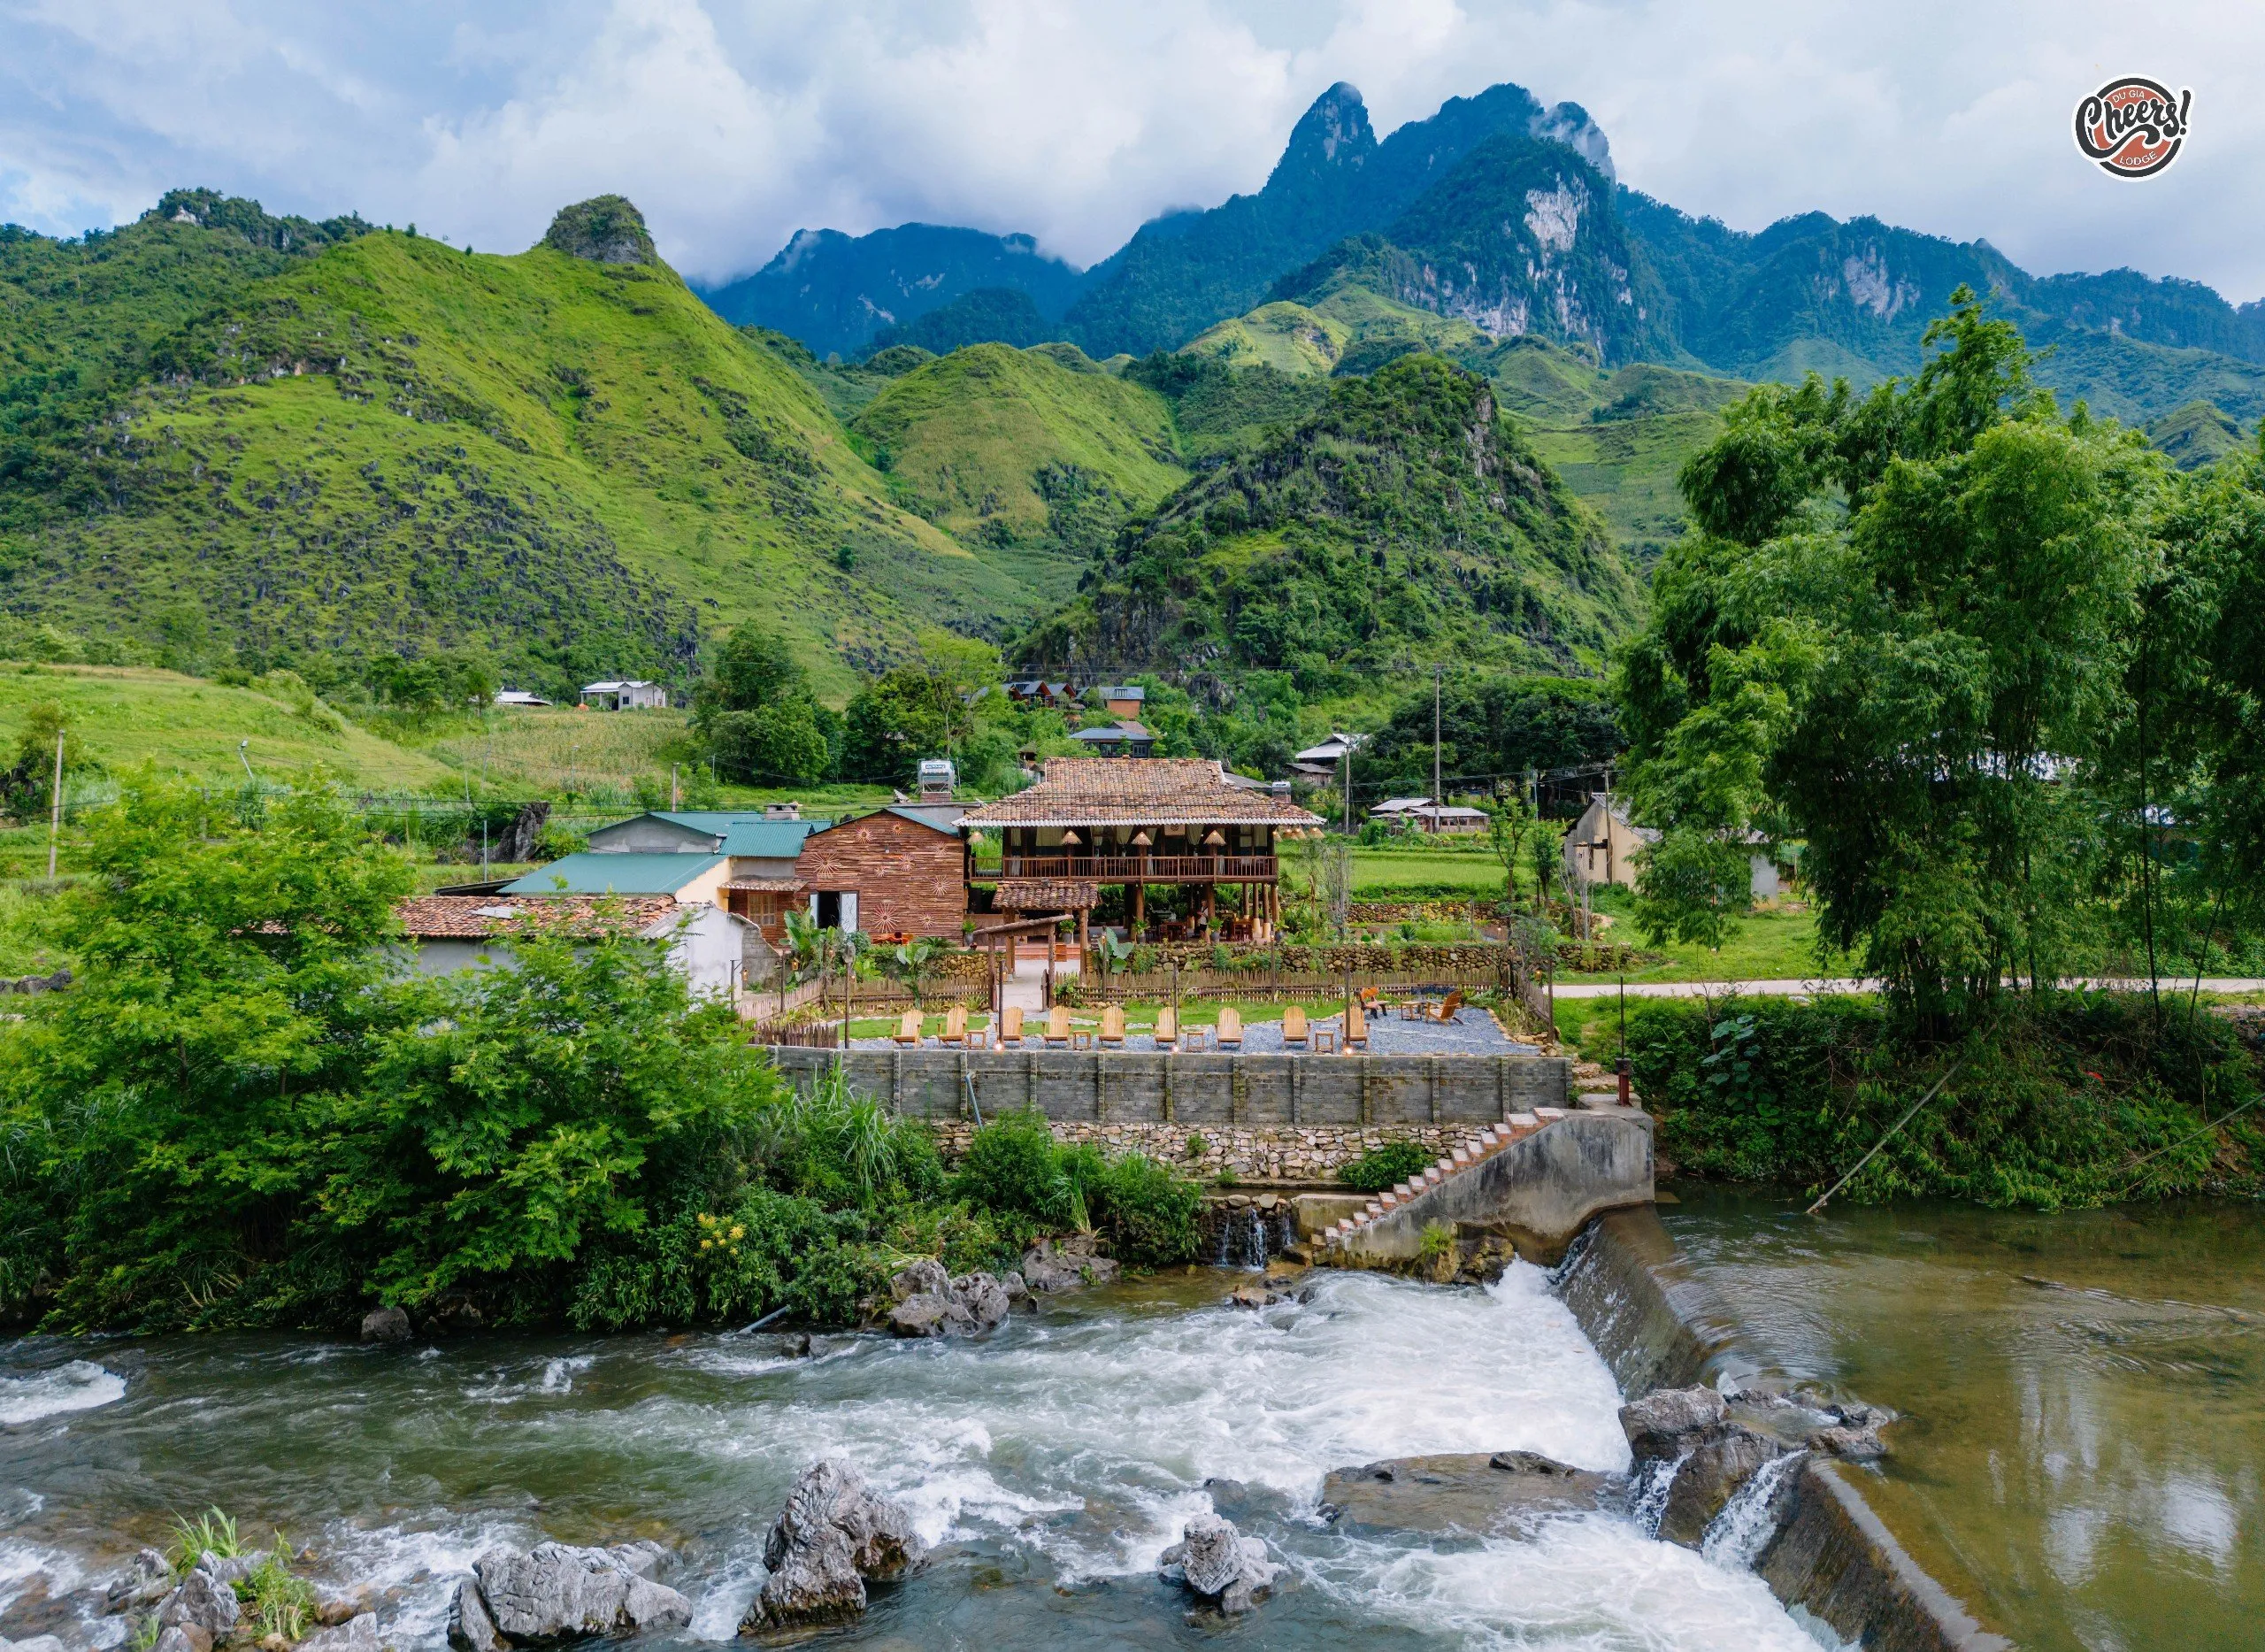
<point x="1418" y="399"/>
<point x="1499" y="211"/>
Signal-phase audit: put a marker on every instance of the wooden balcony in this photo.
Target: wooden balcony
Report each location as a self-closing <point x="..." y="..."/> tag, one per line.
<point x="1137" y="868"/>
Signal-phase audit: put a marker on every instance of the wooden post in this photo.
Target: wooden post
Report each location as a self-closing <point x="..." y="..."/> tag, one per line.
<point x="1139" y="908"/>
<point x="1050" y="929"/>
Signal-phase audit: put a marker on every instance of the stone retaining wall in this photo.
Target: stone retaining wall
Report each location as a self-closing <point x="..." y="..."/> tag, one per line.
<point x="1309" y="1153"/>
<point x="1205" y="1091"/>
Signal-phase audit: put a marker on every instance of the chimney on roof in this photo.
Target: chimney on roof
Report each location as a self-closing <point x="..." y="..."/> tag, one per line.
<point x="782" y="811"/>
<point x="1281" y="791"/>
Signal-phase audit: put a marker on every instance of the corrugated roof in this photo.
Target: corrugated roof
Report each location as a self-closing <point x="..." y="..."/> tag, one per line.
<point x="1110" y="791"/>
<point x="743" y="834"/>
<point x="483" y="917"/>
<point x="600" y="874"/>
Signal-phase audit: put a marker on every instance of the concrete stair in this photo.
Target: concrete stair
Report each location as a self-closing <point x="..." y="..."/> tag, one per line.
<point x="1492" y="1140"/>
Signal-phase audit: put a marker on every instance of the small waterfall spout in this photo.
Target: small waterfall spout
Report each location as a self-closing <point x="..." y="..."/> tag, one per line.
<point x="1647" y="1500"/>
<point x="1247" y="1238"/>
<point x="1736" y="1536"/>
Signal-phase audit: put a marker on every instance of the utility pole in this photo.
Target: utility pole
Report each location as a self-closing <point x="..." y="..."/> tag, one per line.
<point x="1438" y="800"/>
<point x="55" y="808"/>
<point x="1346" y="763"/>
<point x="244" y="755"/>
<point x="672" y="789"/>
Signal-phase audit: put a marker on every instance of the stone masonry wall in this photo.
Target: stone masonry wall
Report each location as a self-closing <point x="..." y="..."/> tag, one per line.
<point x="1306" y="1154"/>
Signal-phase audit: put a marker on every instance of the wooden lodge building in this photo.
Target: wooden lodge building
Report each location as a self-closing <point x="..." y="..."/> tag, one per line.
<point x="1143" y="824"/>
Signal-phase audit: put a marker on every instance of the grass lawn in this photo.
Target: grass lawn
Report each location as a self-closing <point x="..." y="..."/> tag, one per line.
<point x="1378" y="872"/>
<point x="1767" y="944"/>
<point x="125" y="716"/>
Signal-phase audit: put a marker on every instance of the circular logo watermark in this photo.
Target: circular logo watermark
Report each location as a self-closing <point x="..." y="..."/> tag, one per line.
<point x="2132" y="126"/>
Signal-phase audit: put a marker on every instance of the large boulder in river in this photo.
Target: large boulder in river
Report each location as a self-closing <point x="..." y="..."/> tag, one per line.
<point x="203" y="1602"/>
<point x="358" y="1634"/>
<point x="929" y="1303"/>
<point x="1669" y="1422"/>
<point x="1472" y="1492"/>
<point x="1228" y="1571"/>
<point x="834" y="1536"/>
<point x="556" y="1592"/>
<point x="1051" y="1267"/>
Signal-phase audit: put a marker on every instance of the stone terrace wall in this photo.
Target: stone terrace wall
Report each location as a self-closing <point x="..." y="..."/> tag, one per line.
<point x="1305" y="1153"/>
<point x="1202" y="1090"/>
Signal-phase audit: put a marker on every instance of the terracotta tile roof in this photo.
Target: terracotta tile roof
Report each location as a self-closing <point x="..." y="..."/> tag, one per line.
<point x="482" y="916"/>
<point x="1045" y="895"/>
<point x="1110" y="791"/>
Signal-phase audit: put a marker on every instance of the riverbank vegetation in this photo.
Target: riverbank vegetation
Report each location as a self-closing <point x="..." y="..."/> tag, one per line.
<point x="2058" y="1100"/>
<point x="245" y="1111"/>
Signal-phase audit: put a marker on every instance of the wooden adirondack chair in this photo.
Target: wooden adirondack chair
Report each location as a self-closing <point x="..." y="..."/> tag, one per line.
<point x="1230" y="1029"/>
<point x="1450" y="1010"/>
<point x="1057" y="1025"/>
<point x="1010" y="1025"/>
<point x="1112" y="1027"/>
<point x="1356" y="1027"/>
<point x="1167" y="1027"/>
<point x="1294" y="1025"/>
<point x="956" y="1025"/>
<point x="907" y="1030"/>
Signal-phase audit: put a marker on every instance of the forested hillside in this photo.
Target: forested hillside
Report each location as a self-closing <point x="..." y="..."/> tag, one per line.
<point x="561" y="458"/>
<point x="1405" y="521"/>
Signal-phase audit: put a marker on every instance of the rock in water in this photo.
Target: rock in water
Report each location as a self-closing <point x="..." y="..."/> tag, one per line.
<point x="180" y="1638"/>
<point x="1470" y="1492"/>
<point x="924" y="1277"/>
<point x="152" y="1580"/>
<point x="386" y="1324"/>
<point x="834" y="1535"/>
<point x="928" y="1304"/>
<point x="1709" y="1478"/>
<point x="983" y="1298"/>
<point x="1231" y="1571"/>
<point x="203" y="1602"/>
<point x="358" y="1633"/>
<point x="1048" y="1268"/>
<point x="470" y="1627"/>
<point x="1671" y="1421"/>
<point x="560" y="1592"/>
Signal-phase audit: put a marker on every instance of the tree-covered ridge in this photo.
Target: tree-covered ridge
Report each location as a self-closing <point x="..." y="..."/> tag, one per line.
<point x="79" y="319"/>
<point x="571" y="464"/>
<point x="1404" y="520"/>
<point x="1018" y="450"/>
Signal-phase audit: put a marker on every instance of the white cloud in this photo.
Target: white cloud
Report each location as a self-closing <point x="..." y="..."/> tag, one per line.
<point x="734" y="122"/>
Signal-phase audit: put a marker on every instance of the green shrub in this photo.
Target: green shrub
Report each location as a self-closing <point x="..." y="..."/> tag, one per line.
<point x="278" y="1603"/>
<point x="1147" y="1213"/>
<point x="211" y="1533"/>
<point x="1383" y="1167"/>
<point x="1013" y="1166"/>
<point x="2054" y="1102"/>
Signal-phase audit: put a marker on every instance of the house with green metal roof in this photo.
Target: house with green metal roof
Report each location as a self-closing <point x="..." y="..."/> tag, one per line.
<point x="689" y="879"/>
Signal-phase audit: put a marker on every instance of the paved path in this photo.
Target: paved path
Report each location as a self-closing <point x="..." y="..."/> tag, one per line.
<point x="1822" y="984"/>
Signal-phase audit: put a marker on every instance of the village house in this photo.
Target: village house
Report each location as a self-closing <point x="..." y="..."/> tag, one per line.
<point x="1319" y="761"/>
<point x="630" y="694"/>
<point x="519" y="696"/>
<point x="1423" y="815"/>
<point x="900" y="872"/>
<point x="1040" y="691"/>
<point x="1604" y="846"/>
<point x="1123" y="701"/>
<point x="1123" y="738"/>
<point x="705" y="944"/>
<point x="1158" y="838"/>
<point x="763" y="881"/>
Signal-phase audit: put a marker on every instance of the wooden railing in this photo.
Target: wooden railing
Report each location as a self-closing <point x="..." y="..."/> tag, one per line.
<point x="1142" y="868"/>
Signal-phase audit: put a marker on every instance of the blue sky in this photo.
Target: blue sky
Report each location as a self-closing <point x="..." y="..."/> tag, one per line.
<point x="733" y="124"/>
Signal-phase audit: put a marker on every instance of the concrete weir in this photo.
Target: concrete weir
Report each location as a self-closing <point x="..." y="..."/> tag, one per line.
<point x="1534" y="1180"/>
<point x="1658" y="1327"/>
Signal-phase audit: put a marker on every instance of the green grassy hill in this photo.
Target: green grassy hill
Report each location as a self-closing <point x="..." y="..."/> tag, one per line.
<point x="1616" y="439"/>
<point x="1036" y="454"/>
<point x="2197" y="434"/>
<point x="124" y="717"/>
<point x="1405" y="521"/>
<point x="570" y="462"/>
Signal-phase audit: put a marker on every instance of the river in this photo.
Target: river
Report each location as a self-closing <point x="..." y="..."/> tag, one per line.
<point x="1053" y="1462"/>
<point x="2083" y="1457"/>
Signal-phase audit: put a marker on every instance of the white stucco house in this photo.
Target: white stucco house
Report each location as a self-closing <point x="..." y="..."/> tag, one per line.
<point x="1604" y="846"/>
<point x="706" y="944"/>
<point x="626" y="694"/>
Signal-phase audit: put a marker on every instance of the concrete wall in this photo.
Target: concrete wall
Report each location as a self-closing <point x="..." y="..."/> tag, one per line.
<point x="649" y="835"/>
<point x="1539" y="1191"/>
<point x="1204" y="1089"/>
<point x="1659" y="1326"/>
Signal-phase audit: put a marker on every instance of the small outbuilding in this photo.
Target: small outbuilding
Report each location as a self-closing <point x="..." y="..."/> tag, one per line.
<point x="705" y="944"/>
<point x="633" y="693"/>
<point x="900" y="870"/>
